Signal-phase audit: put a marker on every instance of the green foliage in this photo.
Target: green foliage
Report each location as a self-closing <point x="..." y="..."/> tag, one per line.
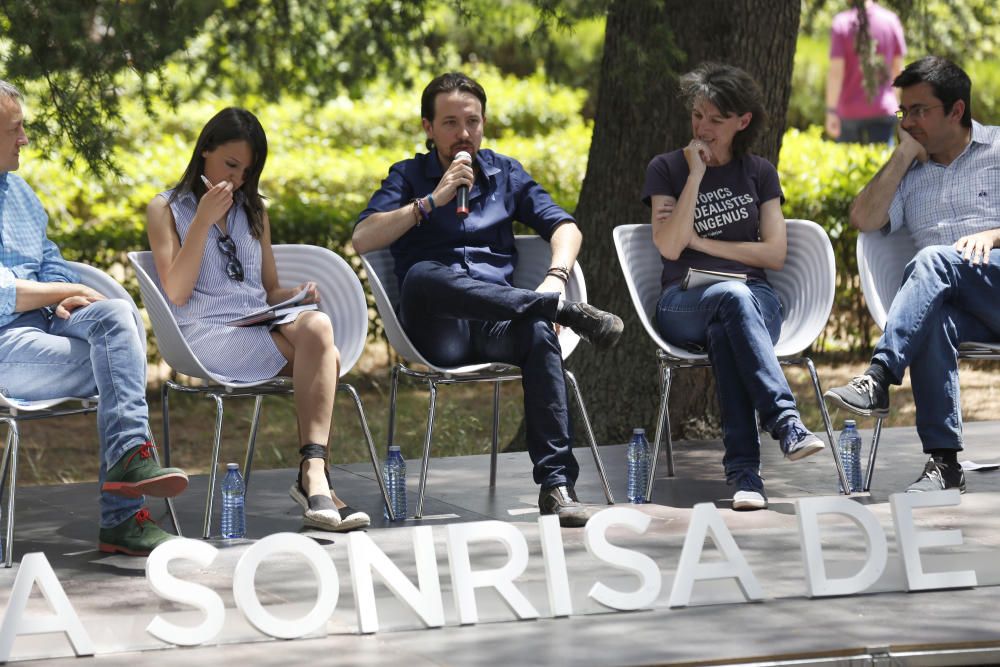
<point x="820" y="179"/>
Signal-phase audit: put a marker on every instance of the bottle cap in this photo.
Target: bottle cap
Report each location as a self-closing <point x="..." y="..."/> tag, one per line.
<point x="232" y="466"/>
<point x="638" y="431"/>
<point x="849" y="423"/>
<point x="393" y="448"/>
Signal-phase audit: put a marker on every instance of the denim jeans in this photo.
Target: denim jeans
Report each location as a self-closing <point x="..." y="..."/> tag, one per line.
<point x="454" y="320"/>
<point x="943" y="302"/>
<point x="878" y="130"/>
<point x="96" y="351"/>
<point x="738" y="323"/>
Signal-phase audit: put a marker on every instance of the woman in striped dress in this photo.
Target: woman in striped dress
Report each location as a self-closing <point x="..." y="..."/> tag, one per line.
<point x="211" y="243"/>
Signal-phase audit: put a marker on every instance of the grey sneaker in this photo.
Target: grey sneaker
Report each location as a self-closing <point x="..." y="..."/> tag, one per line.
<point x="863" y="396"/>
<point x="937" y="476"/>
<point x="562" y="501"/>
<point x="749" y="490"/>
<point x="797" y="442"/>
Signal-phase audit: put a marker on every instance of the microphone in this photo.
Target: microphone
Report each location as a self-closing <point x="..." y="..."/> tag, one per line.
<point x="462" y="192"/>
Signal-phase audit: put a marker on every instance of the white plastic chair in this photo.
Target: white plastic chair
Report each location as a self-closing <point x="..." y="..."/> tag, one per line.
<point x="534" y="256"/>
<point x="882" y="259"/>
<point x="805" y="287"/>
<point x="342" y="299"/>
<point x="14" y="410"/>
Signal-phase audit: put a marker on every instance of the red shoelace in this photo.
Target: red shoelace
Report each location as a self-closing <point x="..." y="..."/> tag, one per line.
<point x="144" y="451"/>
<point x="142" y="516"/>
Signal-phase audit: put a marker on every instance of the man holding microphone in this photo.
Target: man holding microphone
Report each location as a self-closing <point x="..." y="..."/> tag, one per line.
<point x="447" y="216"/>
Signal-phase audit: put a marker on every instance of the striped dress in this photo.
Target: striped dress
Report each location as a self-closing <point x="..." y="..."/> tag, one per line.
<point x="233" y="354"/>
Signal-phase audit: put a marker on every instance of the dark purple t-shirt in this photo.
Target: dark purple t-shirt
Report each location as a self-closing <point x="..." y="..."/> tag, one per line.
<point x="728" y="207"/>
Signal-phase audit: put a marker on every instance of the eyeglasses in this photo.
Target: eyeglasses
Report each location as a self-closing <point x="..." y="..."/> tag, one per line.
<point x="916" y="112"/>
<point x="234" y="268"/>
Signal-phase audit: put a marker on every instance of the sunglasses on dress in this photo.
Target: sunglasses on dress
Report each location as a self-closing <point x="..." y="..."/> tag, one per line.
<point x="234" y="268"/>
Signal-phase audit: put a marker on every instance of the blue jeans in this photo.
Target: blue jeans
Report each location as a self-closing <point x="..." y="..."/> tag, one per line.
<point x="878" y="130"/>
<point x="96" y="351"/>
<point x="943" y="302"/>
<point x="738" y="323"/>
<point x="454" y="320"/>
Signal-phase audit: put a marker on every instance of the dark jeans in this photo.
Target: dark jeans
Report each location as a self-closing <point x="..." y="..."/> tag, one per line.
<point x="739" y="324"/>
<point x="455" y="320"/>
<point x="944" y="301"/>
<point x="878" y="130"/>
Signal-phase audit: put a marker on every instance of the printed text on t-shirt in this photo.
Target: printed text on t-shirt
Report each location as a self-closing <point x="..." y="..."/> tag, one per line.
<point x="719" y="208"/>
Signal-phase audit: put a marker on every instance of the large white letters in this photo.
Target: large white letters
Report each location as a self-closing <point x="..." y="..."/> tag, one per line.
<point x="34" y="569"/>
<point x="556" y="573"/>
<point x="465" y="582"/>
<point x="876" y="554"/>
<point x="170" y="587"/>
<point x="912" y="540"/>
<point x="650" y="579"/>
<point x="704" y="519"/>
<point x="323" y="569"/>
<point x="365" y="556"/>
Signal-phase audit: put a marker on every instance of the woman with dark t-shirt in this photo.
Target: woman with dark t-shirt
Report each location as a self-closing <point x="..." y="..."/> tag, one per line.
<point x="717" y="207"/>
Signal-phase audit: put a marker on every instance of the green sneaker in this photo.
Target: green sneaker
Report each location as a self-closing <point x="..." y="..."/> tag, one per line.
<point x="137" y="535"/>
<point x="137" y="474"/>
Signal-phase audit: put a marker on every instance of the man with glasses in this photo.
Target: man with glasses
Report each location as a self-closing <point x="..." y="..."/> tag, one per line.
<point x="942" y="183"/>
<point x="61" y="338"/>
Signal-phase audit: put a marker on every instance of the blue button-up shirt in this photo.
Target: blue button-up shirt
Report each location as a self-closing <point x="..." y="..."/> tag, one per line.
<point x="940" y="204"/>
<point x="26" y="253"/>
<point x="481" y="244"/>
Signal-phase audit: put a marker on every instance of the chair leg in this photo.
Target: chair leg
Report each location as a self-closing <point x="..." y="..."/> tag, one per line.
<point x="165" y="405"/>
<point x="213" y="469"/>
<point x="393" y="386"/>
<point x="371" y="446"/>
<point x="170" y="501"/>
<point x="252" y="441"/>
<point x="870" y="469"/>
<point x="828" y="424"/>
<point x="571" y="380"/>
<point x="427" y="449"/>
<point x="10" y="478"/>
<point x="496" y="435"/>
<point x="662" y="432"/>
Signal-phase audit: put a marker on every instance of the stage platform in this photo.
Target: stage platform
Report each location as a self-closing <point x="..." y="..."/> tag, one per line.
<point x="883" y="626"/>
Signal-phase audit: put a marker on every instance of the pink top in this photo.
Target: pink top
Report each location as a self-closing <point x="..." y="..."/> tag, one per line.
<point x="887" y="32"/>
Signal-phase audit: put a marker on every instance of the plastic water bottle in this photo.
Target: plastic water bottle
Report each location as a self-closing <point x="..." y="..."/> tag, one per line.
<point x="394" y="473"/>
<point x="234" y="523"/>
<point x="849" y="446"/>
<point x="638" y="466"/>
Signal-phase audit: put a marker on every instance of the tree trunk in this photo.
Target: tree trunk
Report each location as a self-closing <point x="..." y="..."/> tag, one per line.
<point x="648" y="43"/>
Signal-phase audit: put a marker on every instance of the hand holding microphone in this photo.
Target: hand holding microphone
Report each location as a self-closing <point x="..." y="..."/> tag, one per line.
<point x="462" y="191"/>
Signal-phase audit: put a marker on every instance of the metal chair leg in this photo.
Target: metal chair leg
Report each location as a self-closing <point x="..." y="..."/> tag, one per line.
<point x="662" y="431"/>
<point x="214" y="469"/>
<point x="371" y="446"/>
<point x="169" y="501"/>
<point x="571" y="381"/>
<point x="393" y="386"/>
<point x="165" y="406"/>
<point x="496" y="434"/>
<point x="252" y="441"/>
<point x="427" y="449"/>
<point x="870" y="469"/>
<point x="828" y="425"/>
<point x="10" y="456"/>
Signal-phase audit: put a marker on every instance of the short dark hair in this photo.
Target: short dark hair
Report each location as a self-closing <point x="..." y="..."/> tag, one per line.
<point x="446" y="83"/>
<point x="949" y="82"/>
<point x="230" y="124"/>
<point x="734" y="93"/>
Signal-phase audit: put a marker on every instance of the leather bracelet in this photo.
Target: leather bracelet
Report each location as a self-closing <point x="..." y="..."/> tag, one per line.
<point x="559" y="272"/>
<point x="415" y="210"/>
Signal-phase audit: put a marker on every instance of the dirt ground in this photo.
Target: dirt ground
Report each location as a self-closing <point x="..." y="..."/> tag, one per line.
<point x="64" y="450"/>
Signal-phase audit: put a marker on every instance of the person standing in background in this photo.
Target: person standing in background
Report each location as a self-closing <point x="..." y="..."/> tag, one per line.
<point x="853" y="114"/>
